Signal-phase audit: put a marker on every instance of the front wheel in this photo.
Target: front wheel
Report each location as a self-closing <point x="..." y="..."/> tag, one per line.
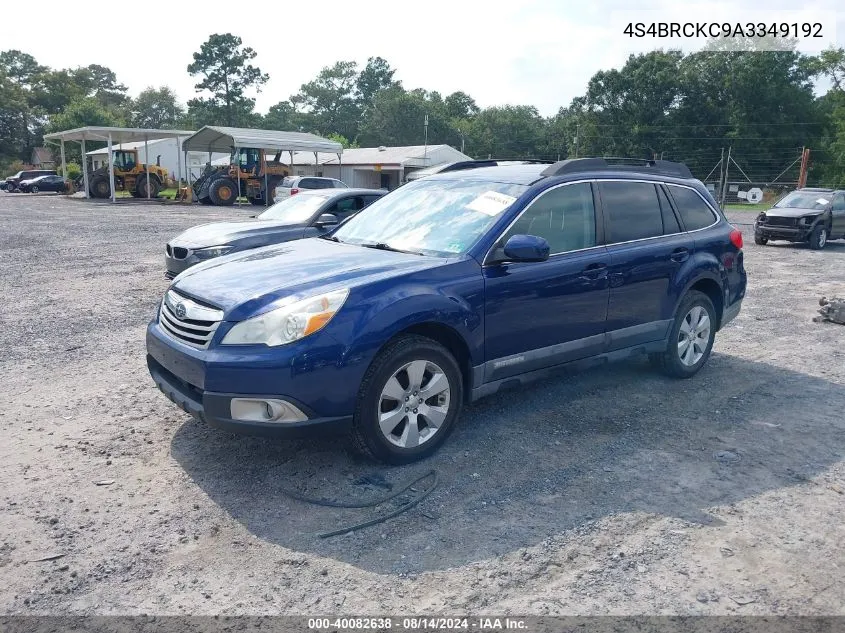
<point x="690" y="339"/>
<point x="818" y="238"/>
<point x="759" y="240"/>
<point x="409" y="401"/>
<point x="33" y="189"/>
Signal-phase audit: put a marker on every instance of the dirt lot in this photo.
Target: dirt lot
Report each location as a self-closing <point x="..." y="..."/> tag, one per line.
<point x="613" y="491"/>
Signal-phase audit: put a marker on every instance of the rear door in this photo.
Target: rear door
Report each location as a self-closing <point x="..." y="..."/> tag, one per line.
<point x="647" y="248"/>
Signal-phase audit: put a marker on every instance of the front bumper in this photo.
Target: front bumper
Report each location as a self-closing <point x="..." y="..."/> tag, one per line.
<point x="173" y="266"/>
<point x="203" y="383"/>
<point x="798" y="233"/>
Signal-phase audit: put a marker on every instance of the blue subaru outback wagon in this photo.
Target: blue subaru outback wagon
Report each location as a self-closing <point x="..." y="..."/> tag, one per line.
<point x="446" y="290"/>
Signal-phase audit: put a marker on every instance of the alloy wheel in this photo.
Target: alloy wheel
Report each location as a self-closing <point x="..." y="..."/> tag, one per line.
<point x="414" y="404"/>
<point x="694" y="336"/>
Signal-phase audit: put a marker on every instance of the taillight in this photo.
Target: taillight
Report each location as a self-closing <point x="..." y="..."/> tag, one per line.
<point x="294" y="191"/>
<point x="736" y="238"/>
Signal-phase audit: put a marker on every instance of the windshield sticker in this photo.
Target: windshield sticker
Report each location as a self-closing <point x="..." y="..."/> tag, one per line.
<point x="822" y="201"/>
<point x="491" y="202"/>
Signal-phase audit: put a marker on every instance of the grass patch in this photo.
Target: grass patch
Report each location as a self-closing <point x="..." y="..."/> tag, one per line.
<point x="760" y="206"/>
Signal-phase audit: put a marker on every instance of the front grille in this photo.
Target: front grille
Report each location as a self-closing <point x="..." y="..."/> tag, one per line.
<point x="778" y="221"/>
<point x="189" y="329"/>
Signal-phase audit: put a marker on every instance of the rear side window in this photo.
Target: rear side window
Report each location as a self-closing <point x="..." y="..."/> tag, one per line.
<point x="631" y="211"/>
<point x="309" y="183"/>
<point x="565" y="217"/>
<point x="694" y="211"/>
<point x="670" y="222"/>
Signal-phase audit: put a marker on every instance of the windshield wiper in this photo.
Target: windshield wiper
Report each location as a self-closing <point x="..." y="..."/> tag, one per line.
<point x="332" y="238"/>
<point x="386" y="247"/>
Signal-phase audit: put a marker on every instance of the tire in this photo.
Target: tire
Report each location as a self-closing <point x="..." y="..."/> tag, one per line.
<point x="395" y="365"/>
<point x="683" y="362"/>
<point x="33" y="189"/>
<point x="223" y="192"/>
<point x="100" y="188"/>
<point x="818" y="238"/>
<point x="141" y="187"/>
<point x="759" y="240"/>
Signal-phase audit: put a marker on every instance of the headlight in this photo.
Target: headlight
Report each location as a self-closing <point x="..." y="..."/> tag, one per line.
<point x="288" y="323"/>
<point x="212" y="251"/>
<point x="808" y="219"/>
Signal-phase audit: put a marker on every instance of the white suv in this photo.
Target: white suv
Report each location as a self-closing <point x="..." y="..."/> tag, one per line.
<point x="294" y="184"/>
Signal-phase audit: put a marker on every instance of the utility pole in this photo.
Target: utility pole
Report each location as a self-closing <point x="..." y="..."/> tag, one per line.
<point x="805" y="163"/>
<point x="577" y="129"/>
<point x="425" y="151"/>
<point x="725" y="184"/>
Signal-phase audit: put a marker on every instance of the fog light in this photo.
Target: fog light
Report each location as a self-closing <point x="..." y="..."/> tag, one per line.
<point x="265" y="410"/>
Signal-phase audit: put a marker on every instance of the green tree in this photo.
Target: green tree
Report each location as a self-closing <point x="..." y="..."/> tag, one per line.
<point x="223" y="64"/>
<point x="156" y="108"/>
<point x="506" y="132"/>
<point x="397" y="117"/>
<point x="285" y="116"/>
<point x="376" y="76"/>
<point x="331" y="100"/>
<point x="14" y="119"/>
<point x="20" y="67"/>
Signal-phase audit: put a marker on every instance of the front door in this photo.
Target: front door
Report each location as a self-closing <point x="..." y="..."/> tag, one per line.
<point x="540" y="314"/>
<point x="837" y="211"/>
<point x="647" y="248"/>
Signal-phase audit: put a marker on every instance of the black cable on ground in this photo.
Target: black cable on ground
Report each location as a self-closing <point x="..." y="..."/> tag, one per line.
<point x="369" y="504"/>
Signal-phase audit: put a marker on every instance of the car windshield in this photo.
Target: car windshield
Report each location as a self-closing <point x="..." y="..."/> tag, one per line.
<point x="297" y="209"/>
<point x="432" y="217"/>
<point x="816" y="200"/>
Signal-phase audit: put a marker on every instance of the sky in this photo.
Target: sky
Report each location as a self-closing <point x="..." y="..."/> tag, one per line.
<point x="535" y="52"/>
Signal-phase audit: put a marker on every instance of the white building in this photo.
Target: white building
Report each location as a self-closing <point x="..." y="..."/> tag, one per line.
<point x="163" y="150"/>
<point x="373" y="167"/>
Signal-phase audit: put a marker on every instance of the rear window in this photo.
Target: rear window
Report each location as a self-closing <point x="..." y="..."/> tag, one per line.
<point x="631" y="211"/>
<point x="695" y="213"/>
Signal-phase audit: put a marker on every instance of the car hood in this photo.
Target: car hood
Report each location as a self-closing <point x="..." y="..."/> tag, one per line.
<point x="792" y="213"/>
<point x="243" y="284"/>
<point x="219" y="233"/>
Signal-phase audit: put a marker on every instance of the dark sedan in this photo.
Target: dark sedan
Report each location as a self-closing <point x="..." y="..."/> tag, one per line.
<point x="43" y="183"/>
<point x="308" y="214"/>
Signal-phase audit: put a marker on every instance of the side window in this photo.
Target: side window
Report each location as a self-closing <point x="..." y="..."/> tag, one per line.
<point x="368" y="200"/>
<point x="309" y="183"/>
<point x="346" y="207"/>
<point x="695" y="213"/>
<point x="565" y="217"/>
<point x="670" y="222"/>
<point x="631" y="211"/>
<point x="838" y="202"/>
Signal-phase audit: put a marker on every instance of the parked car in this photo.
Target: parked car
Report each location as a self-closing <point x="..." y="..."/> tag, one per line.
<point x="308" y="215"/>
<point x="812" y="215"/>
<point x="292" y="185"/>
<point x="12" y="182"/>
<point x="446" y="290"/>
<point x="42" y="183"/>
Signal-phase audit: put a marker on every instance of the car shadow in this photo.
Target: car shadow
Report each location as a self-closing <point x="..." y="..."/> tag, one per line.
<point x="834" y="246"/>
<point x="525" y="465"/>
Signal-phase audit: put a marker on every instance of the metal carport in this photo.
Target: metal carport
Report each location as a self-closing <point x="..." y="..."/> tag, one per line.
<point x="212" y="138"/>
<point x="112" y="135"/>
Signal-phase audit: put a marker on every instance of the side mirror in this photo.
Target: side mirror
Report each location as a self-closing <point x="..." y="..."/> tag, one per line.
<point x="526" y="248"/>
<point x="326" y="219"/>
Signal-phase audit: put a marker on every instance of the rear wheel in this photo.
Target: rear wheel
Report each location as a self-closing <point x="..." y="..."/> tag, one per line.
<point x="141" y="187"/>
<point x="222" y="192"/>
<point x="818" y="238"/>
<point x="409" y="401"/>
<point x="34" y="189"/>
<point x="100" y="187"/>
<point x="690" y="339"/>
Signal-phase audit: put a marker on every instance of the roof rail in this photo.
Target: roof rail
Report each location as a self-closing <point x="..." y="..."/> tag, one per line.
<point x="576" y="165"/>
<point x="492" y="162"/>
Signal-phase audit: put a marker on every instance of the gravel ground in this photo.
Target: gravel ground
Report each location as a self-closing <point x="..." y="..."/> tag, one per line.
<point x="612" y="491"/>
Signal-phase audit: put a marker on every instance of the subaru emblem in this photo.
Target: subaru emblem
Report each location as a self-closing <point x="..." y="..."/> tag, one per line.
<point x="180" y="311"/>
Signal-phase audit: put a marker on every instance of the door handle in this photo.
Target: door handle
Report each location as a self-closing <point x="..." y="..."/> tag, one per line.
<point x="594" y="271"/>
<point x="680" y="255"/>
